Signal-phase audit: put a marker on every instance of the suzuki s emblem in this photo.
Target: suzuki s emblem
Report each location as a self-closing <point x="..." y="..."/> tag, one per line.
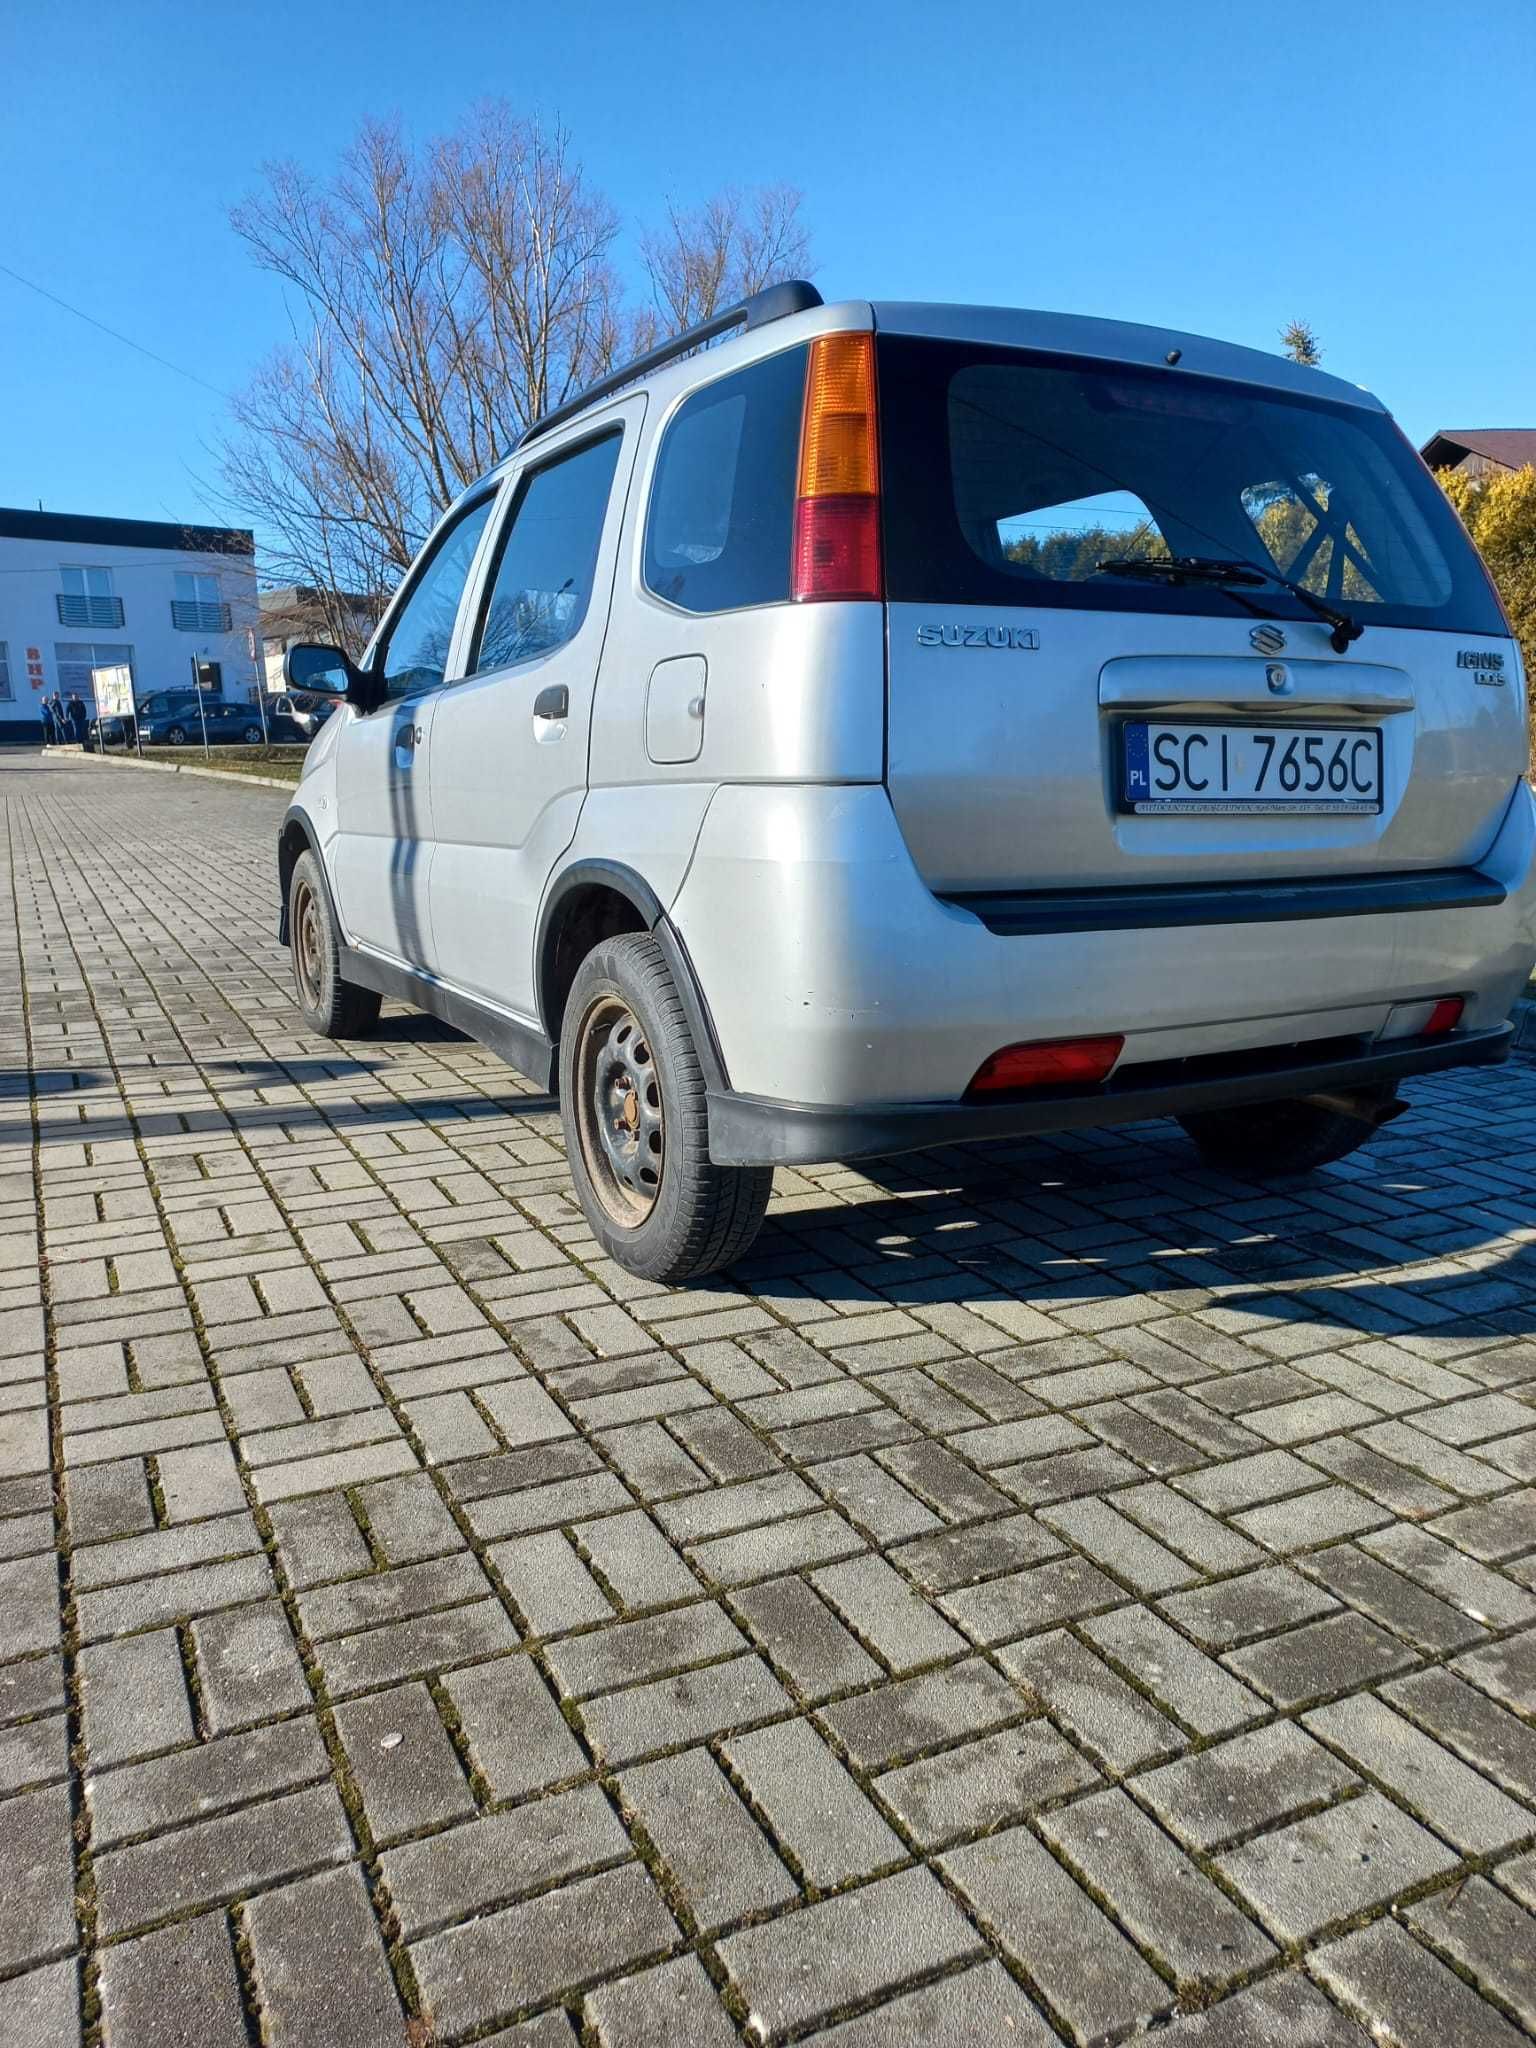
<point x="1277" y="677"/>
<point x="1266" y="640"/>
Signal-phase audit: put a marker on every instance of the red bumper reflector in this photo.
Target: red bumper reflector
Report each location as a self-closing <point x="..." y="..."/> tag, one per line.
<point x="1445" y="1016"/>
<point x="837" y="548"/>
<point x="1058" y="1063"/>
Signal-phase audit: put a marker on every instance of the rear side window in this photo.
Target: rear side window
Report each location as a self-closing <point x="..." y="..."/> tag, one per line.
<point x="547" y="557"/>
<point x="720" y="526"/>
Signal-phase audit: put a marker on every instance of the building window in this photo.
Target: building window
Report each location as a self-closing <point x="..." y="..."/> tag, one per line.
<point x="86" y="597"/>
<point x="197" y="606"/>
<point x="7" y="695"/>
<point x="74" y="660"/>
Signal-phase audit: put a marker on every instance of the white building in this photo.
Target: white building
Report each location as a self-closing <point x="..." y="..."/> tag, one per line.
<point x="78" y="593"/>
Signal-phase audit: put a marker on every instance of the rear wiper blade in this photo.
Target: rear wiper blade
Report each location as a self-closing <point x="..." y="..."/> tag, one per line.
<point x="1224" y="573"/>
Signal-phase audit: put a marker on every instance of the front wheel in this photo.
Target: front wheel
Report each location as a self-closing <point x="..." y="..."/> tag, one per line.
<point x="636" y="1126"/>
<point x="177" y="735"/>
<point x="331" y="1006"/>
<point x="1270" y="1140"/>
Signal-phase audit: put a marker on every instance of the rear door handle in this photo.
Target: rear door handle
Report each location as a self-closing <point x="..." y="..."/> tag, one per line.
<point x="555" y="702"/>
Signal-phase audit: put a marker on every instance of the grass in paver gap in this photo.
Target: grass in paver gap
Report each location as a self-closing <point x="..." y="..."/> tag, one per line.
<point x="1070" y="1233"/>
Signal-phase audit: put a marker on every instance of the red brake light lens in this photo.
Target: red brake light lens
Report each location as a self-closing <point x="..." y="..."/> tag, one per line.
<point x="837" y="548"/>
<point x="1444" y="1017"/>
<point x="1058" y="1063"/>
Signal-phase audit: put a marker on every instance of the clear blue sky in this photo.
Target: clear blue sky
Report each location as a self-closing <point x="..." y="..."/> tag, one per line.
<point x="1201" y="163"/>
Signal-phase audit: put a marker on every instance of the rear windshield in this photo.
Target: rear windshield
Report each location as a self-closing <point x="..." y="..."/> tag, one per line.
<point x="1013" y="478"/>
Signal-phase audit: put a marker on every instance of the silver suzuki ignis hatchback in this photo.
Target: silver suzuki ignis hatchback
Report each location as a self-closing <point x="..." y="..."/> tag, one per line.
<point x="906" y="723"/>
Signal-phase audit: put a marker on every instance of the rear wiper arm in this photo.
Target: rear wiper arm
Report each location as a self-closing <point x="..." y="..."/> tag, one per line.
<point x="1224" y="573"/>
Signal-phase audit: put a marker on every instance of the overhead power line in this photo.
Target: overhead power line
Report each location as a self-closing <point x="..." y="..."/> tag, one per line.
<point x="127" y="340"/>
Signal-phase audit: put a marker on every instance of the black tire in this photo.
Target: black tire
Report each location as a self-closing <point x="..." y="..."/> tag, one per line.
<point x="176" y="735"/>
<point x="331" y="1006"/>
<point x="629" y="1071"/>
<point x="253" y="736"/>
<point x="1270" y="1140"/>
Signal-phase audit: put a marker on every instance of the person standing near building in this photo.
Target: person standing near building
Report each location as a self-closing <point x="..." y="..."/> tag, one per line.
<point x="53" y="720"/>
<point x="77" y="723"/>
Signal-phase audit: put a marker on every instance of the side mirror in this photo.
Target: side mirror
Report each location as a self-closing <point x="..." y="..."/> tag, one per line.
<point x="326" y="672"/>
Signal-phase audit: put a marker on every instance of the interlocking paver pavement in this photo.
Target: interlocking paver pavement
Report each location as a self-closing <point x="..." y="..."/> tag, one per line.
<point x="1047" y="1593"/>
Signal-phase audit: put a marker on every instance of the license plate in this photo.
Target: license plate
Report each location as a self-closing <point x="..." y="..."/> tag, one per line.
<point x="1259" y="769"/>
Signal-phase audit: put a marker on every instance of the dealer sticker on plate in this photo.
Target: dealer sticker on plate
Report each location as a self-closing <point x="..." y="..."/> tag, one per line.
<point x="1261" y="769"/>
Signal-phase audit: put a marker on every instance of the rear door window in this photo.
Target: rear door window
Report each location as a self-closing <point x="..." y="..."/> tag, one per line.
<point x="542" y="582"/>
<point x="720" y="524"/>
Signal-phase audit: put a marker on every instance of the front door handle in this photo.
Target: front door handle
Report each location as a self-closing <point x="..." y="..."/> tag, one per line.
<point x="407" y="738"/>
<point x="555" y="702"/>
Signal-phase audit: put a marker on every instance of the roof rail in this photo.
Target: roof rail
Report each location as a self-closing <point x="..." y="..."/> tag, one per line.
<point x="774" y="302"/>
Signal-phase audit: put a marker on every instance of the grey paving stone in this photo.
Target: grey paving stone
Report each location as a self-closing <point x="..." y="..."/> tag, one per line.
<point x="1279" y="2012"/>
<point x="1324" y="1658"/>
<point x="41" y="2008"/>
<point x="424" y="1644"/>
<point x="318" y="1539"/>
<point x="527" y="1953"/>
<point x="1156" y="1892"/>
<point x="978" y="2004"/>
<point x="1186" y="1683"/>
<point x="1451" y="1798"/>
<point x="109" y="1500"/>
<point x="909" y="1715"/>
<point x="220" y="1859"/>
<point x="814" y="1808"/>
<point x="630" y="1651"/>
<point x="499" y="1857"/>
<point x="1086" y="1968"/>
<point x="675" y="2002"/>
<point x="1116" y="1724"/>
<point x="517" y="1736"/>
<point x="549" y="1585"/>
<point x="1235" y="1788"/>
<point x="248" y="1667"/>
<point x="1239" y="1610"/>
<point x="1404" y="1995"/>
<point x="1488" y="1935"/>
<point x="29" y="1605"/>
<point x="391" y="1595"/>
<point x="1506" y="1669"/>
<point x="1002" y="1609"/>
<point x="1397" y="1603"/>
<point x="176" y="1986"/>
<point x="985" y="1783"/>
<point x="135" y="1697"/>
<point x="882" y="1609"/>
<point x="190" y="1784"/>
<point x="321" y="1973"/>
<point x="403" y="1762"/>
<point x="33" y="1686"/>
<point x="715" y="1852"/>
<point x="1318" y="1872"/>
<point x="1468" y="1722"/>
<point x="670" y="1712"/>
<point x="1485" y="1595"/>
<point x="806" y="1965"/>
<point x="37" y="1900"/>
<point x="636" y="1562"/>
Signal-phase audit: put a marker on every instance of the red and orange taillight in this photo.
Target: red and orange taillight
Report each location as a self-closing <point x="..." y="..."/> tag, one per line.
<point x="837" y="495"/>
<point x="1052" y="1063"/>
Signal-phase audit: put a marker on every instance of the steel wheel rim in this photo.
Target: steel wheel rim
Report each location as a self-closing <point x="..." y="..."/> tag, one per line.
<point x="307" y="954"/>
<point x="620" y="1116"/>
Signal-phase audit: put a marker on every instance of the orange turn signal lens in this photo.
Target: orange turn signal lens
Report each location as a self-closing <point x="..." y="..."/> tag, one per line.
<point x="1057" y="1063"/>
<point x="838" y="456"/>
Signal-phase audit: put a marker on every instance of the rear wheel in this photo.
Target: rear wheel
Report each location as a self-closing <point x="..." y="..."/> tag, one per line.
<point x="1268" y="1140"/>
<point x="331" y="1006"/>
<point x="636" y="1126"/>
<point x="252" y="735"/>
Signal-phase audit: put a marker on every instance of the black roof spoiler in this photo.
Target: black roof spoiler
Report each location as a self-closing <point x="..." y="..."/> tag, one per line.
<point x="774" y="302"/>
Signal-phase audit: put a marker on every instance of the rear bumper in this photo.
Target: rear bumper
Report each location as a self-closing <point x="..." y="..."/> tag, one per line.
<point x="833" y="976"/>
<point x="749" y="1130"/>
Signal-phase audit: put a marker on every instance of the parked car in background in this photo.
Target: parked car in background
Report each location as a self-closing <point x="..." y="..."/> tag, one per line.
<point x="111" y="734"/>
<point x="908" y="724"/>
<point x="307" y="713"/>
<point x="175" y="718"/>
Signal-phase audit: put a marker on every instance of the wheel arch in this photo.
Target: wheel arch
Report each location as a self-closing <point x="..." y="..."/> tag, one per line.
<point x="589" y="901"/>
<point x="297" y="836"/>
